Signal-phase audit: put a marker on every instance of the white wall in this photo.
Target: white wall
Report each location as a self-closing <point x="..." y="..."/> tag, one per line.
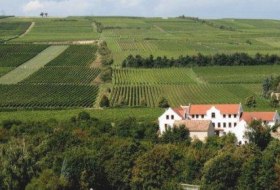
<point x="163" y="121"/>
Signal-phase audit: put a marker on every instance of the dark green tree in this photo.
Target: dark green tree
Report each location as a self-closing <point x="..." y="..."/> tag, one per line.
<point x="104" y="102"/>
<point x="259" y="134"/>
<point x="251" y="102"/>
<point x="163" y="103"/>
<point x="221" y="172"/>
<point x="274" y="102"/>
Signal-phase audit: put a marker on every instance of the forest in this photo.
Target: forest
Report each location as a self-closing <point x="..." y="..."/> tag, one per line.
<point x="84" y="153"/>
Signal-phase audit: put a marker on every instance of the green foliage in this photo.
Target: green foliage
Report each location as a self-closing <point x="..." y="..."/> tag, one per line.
<point x="163" y="103"/>
<point x="251" y="102"/>
<point x="11" y="30"/>
<point x="48" y="180"/>
<point x="176" y="135"/>
<point x="259" y="134"/>
<point x="274" y="102"/>
<point x="221" y="172"/>
<point x="104" y="102"/>
<point x="155" y="168"/>
<point x="106" y="74"/>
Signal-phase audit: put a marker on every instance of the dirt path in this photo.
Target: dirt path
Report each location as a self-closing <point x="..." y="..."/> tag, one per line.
<point x="97" y="63"/>
<point x="28" y="30"/>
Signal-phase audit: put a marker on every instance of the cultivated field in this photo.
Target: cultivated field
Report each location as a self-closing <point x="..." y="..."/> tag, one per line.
<point x="68" y="78"/>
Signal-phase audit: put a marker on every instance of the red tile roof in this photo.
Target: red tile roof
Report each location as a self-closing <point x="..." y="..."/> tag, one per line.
<point x="264" y="116"/>
<point x="195" y="125"/>
<point x="224" y="108"/>
<point x="180" y="111"/>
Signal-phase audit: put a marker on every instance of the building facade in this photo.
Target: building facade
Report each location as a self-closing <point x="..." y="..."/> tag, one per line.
<point x="225" y="118"/>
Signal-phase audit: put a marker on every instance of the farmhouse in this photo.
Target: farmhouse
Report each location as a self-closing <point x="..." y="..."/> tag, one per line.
<point x="225" y="118"/>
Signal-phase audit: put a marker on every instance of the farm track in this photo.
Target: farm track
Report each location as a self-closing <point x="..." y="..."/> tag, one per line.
<point x="28" y="30"/>
<point x="25" y="70"/>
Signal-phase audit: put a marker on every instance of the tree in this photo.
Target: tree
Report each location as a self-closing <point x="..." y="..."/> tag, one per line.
<point x="274" y="102"/>
<point x="48" y="180"/>
<point x="163" y="103"/>
<point x="259" y="134"/>
<point x="156" y="168"/>
<point x="42" y="14"/>
<point x="221" y="172"/>
<point x="176" y="135"/>
<point x="251" y="102"/>
<point x="84" y="116"/>
<point x="46" y="14"/>
<point x="104" y="102"/>
<point x="266" y="86"/>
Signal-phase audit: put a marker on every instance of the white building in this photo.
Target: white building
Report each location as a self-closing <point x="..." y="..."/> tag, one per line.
<point x="225" y="118"/>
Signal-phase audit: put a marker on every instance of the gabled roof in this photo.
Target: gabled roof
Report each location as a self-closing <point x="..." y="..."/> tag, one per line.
<point x="180" y="111"/>
<point x="264" y="116"/>
<point x="224" y="108"/>
<point x="195" y="125"/>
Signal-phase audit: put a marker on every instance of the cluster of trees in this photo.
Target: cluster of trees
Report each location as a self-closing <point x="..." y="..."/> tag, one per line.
<point x="201" y="60"/>
<point x="211" y="24"/>
<point x="99" y="26"/>
<point x="271" y="86"/>
<point x="85" y="153"/>
<point x="44" y="14"/>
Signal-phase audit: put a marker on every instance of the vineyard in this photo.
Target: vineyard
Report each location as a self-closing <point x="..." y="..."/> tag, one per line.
<point x="47" y="96"/>
<point x="60" y="29"/>
<point x="78" y="55"/>
<point x="63" y="75"/>
<point x="242" y="74"/>
<point x="10" y="30"/>
<point x="15" y="55"/>
<point x="153" y="76"/>
<point x="139" y="95"/>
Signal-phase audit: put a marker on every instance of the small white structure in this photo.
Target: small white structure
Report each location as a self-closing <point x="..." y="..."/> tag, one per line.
<point x="225" y="118"/>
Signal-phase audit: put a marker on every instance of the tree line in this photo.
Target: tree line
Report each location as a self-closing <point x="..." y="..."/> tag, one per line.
<point x="236" y="59"/>
<point x="84" y="153"/>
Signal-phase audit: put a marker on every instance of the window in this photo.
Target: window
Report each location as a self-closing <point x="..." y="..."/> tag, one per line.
<point x="229" y="125"/>
<point x="213" y="115"/>
<point x="235" y="115"/>
<point x="166" y="127"/>
<point x="219" y="125"/>
<point x="235" y="124"/>
<point x="172" y="116"/>
<point x="197" y="116"/>
<point x="225" y="125"/>
<point x="214" y="125"/>
<point x="167" y="116"/>
<point x="202" y="116"/>
<point x="192" y="116"/>
<point x="224" y="116"/>
<point x="229" y="115"/>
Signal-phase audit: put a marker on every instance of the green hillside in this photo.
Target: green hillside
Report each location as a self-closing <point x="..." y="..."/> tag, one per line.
<point x="80" y="75"/>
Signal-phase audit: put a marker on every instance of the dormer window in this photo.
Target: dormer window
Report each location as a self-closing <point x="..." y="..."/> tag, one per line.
<point x="213" y="115"/>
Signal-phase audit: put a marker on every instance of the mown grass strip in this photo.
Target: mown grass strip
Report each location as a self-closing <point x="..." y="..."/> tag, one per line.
<point x="33" y="65"/>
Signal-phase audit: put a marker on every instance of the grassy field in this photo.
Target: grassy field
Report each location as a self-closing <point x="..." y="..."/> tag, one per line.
<point x="25" y="70"/>
<point x="141" y="114"/>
